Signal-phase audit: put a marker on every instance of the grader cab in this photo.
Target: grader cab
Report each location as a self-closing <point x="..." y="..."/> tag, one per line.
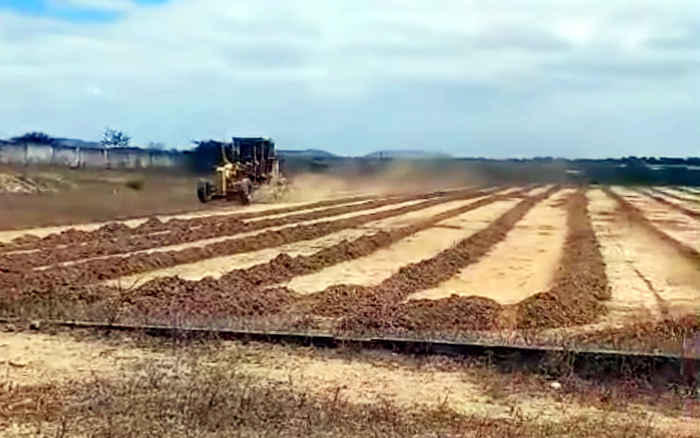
<point x="246" y="164"/>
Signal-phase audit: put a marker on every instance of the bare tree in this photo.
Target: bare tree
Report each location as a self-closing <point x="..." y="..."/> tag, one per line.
<point x="115" y="138"/>
<point x="156" y="145"/>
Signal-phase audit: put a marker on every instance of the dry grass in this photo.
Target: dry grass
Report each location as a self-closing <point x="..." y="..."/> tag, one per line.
<point x="194" y="397"/>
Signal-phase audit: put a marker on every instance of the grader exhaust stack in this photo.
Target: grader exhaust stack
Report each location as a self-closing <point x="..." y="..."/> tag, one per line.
<point x="246" y="164"/>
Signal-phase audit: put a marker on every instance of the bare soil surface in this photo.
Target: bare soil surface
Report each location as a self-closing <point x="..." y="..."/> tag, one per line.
<point x="672" y="222"/>
<point x="378" y="266"/>
<point x="521" y="265"/>
<point x="650" y="279"/>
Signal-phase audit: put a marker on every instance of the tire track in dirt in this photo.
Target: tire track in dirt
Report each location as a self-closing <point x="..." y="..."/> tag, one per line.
<point x="626" y="252"/>
<point x="382" y="307"/>
<point x="670" y="268"/>
<point x="124" y="242"/>
<point x="663" y="305"/>
<point x="88" y="232"/>
<point x="114" y="267"/>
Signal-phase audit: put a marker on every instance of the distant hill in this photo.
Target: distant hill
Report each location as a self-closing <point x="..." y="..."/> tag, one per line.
<point x="305" y="153"/>
<point x="408" y="154"/>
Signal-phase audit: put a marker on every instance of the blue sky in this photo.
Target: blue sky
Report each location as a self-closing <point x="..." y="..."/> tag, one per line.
<point x="578" y="78"/>
<point x="70" y="11"/>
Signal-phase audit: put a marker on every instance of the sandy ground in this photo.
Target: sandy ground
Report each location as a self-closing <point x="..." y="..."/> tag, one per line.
<point x="538" y="190"/>
<point x="218" y="266"/>
<point x="523" y="264"/>
<point x="36" y="358"/>
<point x="693" y="199"/>
<point x="674" y="223"/>
<point x="464" y="390"/>
<point x="204" y="242"/>
<point x="693" y="189"/>
<point x="310" y="210"/>
<point x="649" y="278"/>
<point x="376" y="267"/>
<point x="7" y="236"/>
<point x="687" y="203"/>
<point x="371" y="377"/>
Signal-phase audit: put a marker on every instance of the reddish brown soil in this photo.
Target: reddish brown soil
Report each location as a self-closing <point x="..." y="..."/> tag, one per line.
<point x="580" y="284"/>
<point x="102" y="269"/>
<point x="119" y="238"/>
<point x="119" y="231"/>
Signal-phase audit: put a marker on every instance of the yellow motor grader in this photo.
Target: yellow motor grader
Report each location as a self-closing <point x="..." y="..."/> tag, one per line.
<point x="247" y="163"/>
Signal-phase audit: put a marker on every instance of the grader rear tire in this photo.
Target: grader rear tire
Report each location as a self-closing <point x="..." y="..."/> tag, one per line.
<point x="204" y="191"/>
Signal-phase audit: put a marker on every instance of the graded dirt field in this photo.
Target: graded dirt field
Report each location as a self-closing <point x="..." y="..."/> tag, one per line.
<point x="434" y="263"/>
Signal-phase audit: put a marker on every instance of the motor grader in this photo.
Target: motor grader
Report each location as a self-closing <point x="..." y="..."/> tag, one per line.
<point x="246" y="165"/>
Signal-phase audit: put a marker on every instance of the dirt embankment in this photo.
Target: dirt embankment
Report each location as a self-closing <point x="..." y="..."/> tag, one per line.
<point x="114" y="267"/>
<point x="580" y="283"/>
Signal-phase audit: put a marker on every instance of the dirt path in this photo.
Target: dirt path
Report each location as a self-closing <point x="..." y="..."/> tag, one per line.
<point x="216" y="267"/>
<point x="674" y="223"/>
<point x="649" y="278"/>
<point x="519" y="266"/>
<point x="380" y="265"/>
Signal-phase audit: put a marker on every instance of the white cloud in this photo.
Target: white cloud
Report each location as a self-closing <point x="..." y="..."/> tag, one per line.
<point x="353" y="75"/>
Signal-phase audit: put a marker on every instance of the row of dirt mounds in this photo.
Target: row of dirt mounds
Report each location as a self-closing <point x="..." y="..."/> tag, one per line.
<point x="580" y="283"/>
<point x="695" y="192"/>
<point x="114" y="267"/>
<point x="242" y="292"/>
<point x="671" y="335"/>
<point x="677" y="197"/>
<point x="382" y="307"/>
<point x="117" y="230"/>
<point x="124" y="239"/>
<point x="686" y="211"/>
<point x="635" y="214"/>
